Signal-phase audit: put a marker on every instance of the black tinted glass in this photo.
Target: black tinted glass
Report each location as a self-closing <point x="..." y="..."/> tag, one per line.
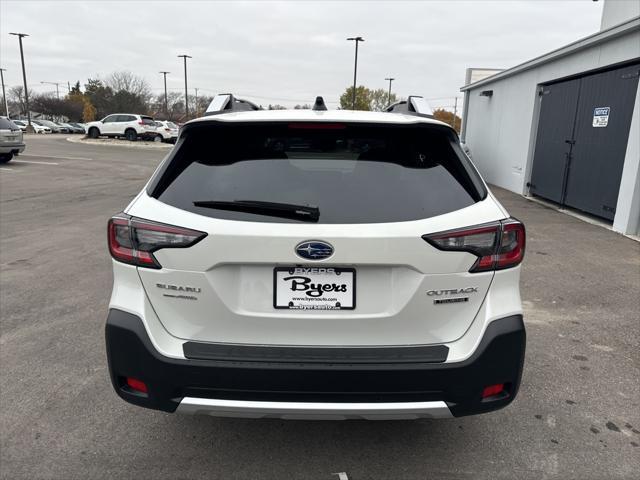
<point x="6" y="124"/>
<point x="351" y="173"/>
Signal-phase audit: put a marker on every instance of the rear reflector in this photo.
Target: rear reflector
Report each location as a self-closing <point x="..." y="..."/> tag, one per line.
<point x="493" y="390"/>
<point x="497" y="245"/>
<point x="133" y="240"/>
<point x="137" y="385"/>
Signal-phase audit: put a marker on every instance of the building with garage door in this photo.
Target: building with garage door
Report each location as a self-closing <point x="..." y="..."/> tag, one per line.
<point x="565" y="126"/>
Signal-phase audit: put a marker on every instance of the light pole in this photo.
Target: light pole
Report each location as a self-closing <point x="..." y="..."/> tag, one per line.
<point x="166" y="102"/>
<point x="390" y="80"/>
<point x="355" y="69"/>
<point x="57" y="88"/>
<point x="4" y="95"/>
<point x="24" y="79"/>
<point x="186" y="91"/>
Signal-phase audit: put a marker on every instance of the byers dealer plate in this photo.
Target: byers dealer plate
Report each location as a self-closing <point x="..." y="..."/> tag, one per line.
<point x="314" y="288"/>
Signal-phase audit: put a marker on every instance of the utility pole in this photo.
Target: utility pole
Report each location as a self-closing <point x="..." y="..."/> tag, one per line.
<point x="68" y="86"/>
<point x="355" y="69"/>
<point x="57" y="88"/>
<point x="390" y="80"/>
<point x="24" y="79"/>
<point x="186" y="90"/>
<point x="166" y="102"/>
<point x="455" y="112"/>
<point x="196" y="103"/>
<point x="4" y="95"/>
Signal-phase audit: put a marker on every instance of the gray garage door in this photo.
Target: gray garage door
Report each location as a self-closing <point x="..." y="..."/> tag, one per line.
<point x="582" y="139"/>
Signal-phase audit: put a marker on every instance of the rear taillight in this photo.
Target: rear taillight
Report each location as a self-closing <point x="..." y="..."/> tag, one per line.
<point x="133" y="240"/>
<point x="497" y="245"/>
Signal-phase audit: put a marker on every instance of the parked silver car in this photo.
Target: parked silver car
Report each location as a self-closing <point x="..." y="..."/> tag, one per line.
<point x="11" y="141"/>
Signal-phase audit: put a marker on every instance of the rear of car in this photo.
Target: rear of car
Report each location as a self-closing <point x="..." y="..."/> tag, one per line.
<point x="167" y="130"/>
<point x="316" y="265"/>
<point x="11" y="140"/>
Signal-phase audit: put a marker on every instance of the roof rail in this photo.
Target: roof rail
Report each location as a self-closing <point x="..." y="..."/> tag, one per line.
<point x="227" y="103"/>
<point x="414" y="105"/>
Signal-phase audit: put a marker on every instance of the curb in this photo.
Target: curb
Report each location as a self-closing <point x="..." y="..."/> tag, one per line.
<point x="120" y="143"/>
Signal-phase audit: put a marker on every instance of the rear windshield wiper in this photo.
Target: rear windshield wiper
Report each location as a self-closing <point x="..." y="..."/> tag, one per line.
<point x="304" y="213"/>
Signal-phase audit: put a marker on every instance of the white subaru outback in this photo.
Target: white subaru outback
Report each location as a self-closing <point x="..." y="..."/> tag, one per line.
<point x="316" y="264"/>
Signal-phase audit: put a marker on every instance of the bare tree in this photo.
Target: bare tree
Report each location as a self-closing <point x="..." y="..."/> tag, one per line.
<point x="129" y="82"/>
<point x="16" y="100"/>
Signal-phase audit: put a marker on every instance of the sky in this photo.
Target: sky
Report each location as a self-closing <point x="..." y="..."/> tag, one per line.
<point x="285" y="52"/>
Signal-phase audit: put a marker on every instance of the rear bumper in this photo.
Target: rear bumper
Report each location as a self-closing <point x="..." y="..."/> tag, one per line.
<point x="12" y="148"/>
<point x="252" y="387"/>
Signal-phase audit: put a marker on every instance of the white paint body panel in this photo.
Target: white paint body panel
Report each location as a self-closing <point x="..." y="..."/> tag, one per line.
<point x="233" y="269"/>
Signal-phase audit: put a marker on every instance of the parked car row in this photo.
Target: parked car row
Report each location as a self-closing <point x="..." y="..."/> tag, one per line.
<point x="48" y="126"/>
<point x="117" y="125"/>
<point x="132" y="127"/>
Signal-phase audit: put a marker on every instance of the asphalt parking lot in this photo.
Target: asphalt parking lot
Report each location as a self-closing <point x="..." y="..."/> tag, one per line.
<point x="577" y="414"/>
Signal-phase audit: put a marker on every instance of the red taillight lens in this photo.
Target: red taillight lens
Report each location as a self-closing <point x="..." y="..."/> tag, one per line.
<point x="133" y="240"/>
<point x="512" y="243"/>
<point x="137" y="385"/>
<point x="497" y="245"/>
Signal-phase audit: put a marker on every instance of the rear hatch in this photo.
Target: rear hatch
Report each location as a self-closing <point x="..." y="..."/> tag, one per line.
<point x="314" y="234"/>
<point x="10" y="133"/>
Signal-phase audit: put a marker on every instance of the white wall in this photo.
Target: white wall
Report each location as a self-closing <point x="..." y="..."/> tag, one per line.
<point x="500" y="130"/>
<point x="614" y="12"/>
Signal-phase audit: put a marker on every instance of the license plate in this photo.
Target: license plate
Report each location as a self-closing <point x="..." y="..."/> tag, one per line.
<point x="314" y="288"/>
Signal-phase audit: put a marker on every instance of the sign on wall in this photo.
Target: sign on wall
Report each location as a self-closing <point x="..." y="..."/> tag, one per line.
<point x="601" y="116"/>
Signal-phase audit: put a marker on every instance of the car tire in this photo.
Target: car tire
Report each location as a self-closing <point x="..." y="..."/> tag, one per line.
<point x="131" y="135"/>
<point x="93" y="132"/>
<point x="5" y="157"/>
<point x="157" y="138"/>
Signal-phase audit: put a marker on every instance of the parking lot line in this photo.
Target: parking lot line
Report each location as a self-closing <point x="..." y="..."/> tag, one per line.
<point x="5" y="169"/>
<point x="34" y="161"/>
<point x="53" y="156"/>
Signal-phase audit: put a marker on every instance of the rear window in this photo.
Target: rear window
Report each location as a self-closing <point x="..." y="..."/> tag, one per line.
<point x="148" y="121"/>
<point x="351" y="173"/>
<point x="6" y="124"/>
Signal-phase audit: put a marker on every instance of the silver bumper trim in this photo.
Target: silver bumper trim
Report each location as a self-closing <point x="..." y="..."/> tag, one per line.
<point x="313" y="410"/>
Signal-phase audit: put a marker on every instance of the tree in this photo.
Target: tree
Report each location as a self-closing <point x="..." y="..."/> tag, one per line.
<point x="16" y="100"/>
<point x="75" y="90"/>
<point x="130" y="83"/>
<point x="99" y="96"/>
<point x="306" y="106"/>
<point x="88" y="111"/>
<point x="447" y="117"/>
<point x="363" y="99"/>
<point x="380" y="99"/>
<point x="276" y="107"/>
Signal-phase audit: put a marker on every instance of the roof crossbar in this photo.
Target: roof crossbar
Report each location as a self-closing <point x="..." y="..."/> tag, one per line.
<point x="227" y="103"/>
<point x="414" y="105"/>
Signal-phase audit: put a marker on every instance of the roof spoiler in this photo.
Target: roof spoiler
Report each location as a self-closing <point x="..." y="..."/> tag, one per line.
<point x="227" y="103"/>
<point x="414" y="105"/>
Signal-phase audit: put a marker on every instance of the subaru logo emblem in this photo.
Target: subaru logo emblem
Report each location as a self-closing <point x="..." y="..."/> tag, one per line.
<point x="314" y="250"/>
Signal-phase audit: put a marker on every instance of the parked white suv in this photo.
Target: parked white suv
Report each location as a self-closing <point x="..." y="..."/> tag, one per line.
<point x="316" y="264"/>
<point x="126" y="125"/>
